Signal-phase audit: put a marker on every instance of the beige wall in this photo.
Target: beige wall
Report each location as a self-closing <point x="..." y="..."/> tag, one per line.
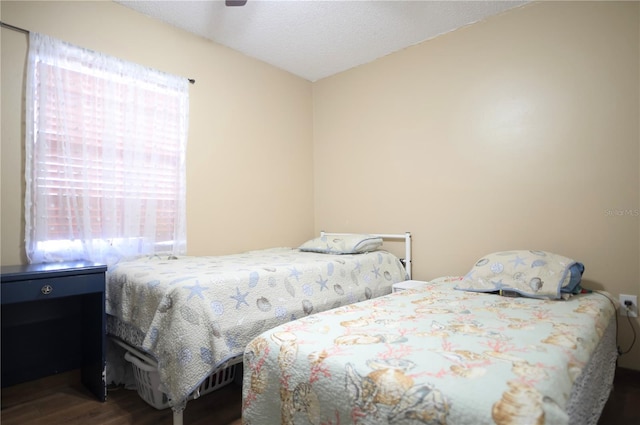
<point x="520" y="132"/>
<point x="249" y="151"/>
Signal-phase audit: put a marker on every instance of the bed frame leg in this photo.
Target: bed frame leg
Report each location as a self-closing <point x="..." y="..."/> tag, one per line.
<point x="177" y="413"/>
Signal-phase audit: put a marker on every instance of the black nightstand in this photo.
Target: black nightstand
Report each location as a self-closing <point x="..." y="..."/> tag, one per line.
<point x="53" y="320"/>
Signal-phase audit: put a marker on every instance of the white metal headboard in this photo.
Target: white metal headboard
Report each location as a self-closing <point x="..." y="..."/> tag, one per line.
<point x="407" y="244"/>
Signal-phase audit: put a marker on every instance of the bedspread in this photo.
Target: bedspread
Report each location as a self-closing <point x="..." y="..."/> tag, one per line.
<point x="196" y="313"/>
<point x="429" y="356"/>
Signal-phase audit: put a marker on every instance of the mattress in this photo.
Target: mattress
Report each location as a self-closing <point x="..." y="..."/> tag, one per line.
<point x="435" y="356"/>
<point x="194" y="314"/>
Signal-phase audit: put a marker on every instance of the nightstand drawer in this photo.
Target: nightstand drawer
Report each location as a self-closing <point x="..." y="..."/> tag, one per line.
<point x="52" y="287"/>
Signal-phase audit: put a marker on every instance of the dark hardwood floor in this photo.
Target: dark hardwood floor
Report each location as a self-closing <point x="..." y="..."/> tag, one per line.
<point x="62" y="400"/>
<point x="623" y="406"/>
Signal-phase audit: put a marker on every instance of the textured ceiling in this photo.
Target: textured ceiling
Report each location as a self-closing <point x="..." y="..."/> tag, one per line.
<point x="315" y="39"/>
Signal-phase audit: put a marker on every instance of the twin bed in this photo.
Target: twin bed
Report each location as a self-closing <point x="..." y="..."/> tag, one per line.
<point x="324" y="341"/>
<point x="184" y="321"/>
<point x="515" y="341"/>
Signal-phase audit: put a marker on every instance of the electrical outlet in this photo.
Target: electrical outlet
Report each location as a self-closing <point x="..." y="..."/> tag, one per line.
<point x="632" y="310"/>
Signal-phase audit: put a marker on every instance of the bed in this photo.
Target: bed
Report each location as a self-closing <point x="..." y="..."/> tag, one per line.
<point x="184" y="319"/>
<point x="474" y="349"/>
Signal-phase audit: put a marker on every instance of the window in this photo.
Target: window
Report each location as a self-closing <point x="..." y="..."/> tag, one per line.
<point x="105" y="156"/>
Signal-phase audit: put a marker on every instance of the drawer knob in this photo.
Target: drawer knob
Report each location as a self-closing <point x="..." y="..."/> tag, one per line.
<point x="46" y="289"/>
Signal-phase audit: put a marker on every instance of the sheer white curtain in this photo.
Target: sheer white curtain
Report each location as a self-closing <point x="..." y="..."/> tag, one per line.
<point x="105" y="156"/>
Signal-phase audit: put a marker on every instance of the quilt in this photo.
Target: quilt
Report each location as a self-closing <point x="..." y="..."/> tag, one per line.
<point x="432" y="355"/>
<point x="196" y="313"/>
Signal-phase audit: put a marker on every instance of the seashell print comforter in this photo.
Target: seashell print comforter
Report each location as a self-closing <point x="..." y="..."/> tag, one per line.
<point x="432" y="355"/>
<point x="196" y="313"/>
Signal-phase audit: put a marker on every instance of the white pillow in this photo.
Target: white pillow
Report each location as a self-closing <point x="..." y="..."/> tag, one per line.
<point x="342" y="244"/>
<point x="535" y="274"/>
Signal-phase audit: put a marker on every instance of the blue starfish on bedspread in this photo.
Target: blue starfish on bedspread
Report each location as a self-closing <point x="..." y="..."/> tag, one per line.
<point x="295" y="273"/>
<point x="196" y="290"/>
<point x="376" y="271"/>
<point x="517" y="261"/>
<point x="322" y="282"/>
<point x="357" y="267"/>
<point x="240" y="298"/>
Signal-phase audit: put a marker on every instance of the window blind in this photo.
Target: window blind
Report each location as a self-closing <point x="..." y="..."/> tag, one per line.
<point x="105" y="156"/>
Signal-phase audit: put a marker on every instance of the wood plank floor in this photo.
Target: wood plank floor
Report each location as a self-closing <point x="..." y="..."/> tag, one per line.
<point x="62" y="400"/>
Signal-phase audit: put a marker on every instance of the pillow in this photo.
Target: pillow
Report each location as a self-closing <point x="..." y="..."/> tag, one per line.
<point x="342" y="244"/>
<point x="535" y="274"/>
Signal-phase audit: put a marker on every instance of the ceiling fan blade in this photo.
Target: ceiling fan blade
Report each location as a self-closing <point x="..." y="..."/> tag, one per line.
<point x="235" y="2"/>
